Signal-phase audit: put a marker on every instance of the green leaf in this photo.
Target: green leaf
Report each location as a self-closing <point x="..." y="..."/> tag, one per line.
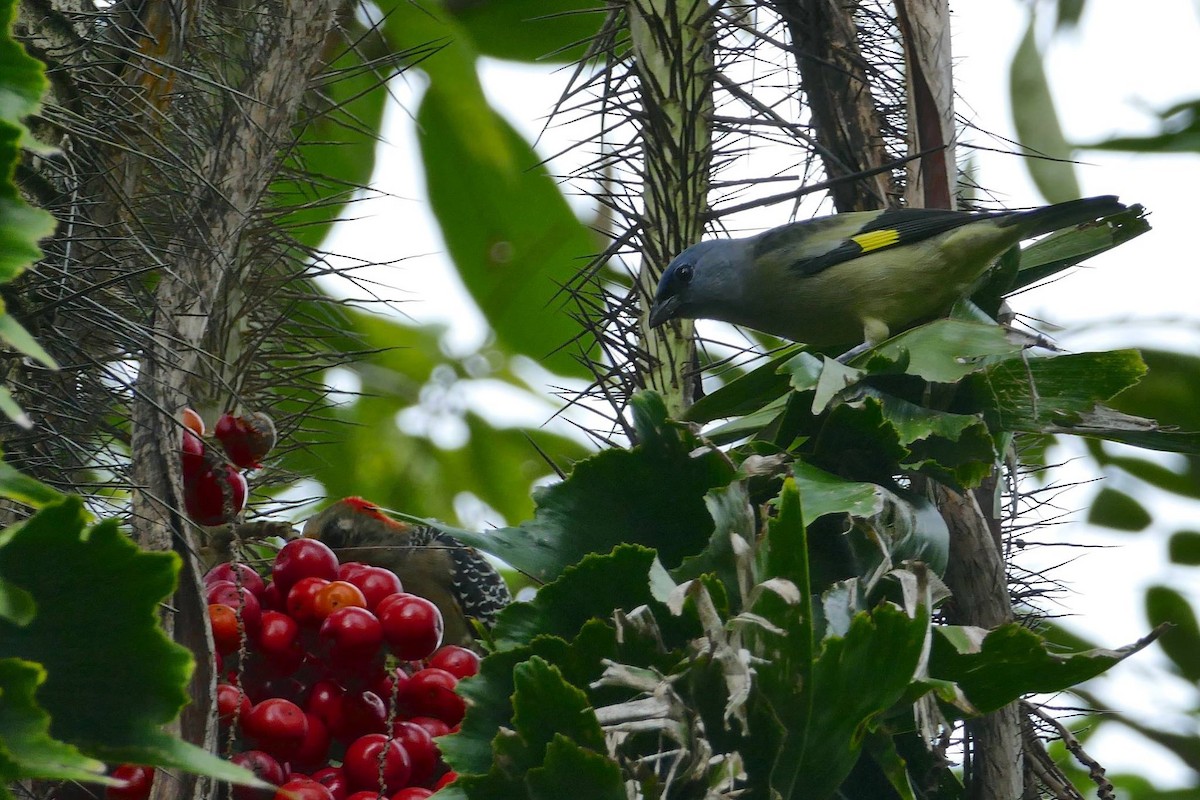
<point x="592" y="588"/>
<point x="554" y="31"/>
<point x="20" y="340"/>
<point x="570" y="770"/>
<point x="1180" y="133"/>
<point x="732" y="516"/>
<point x="1115" y="509"/>
<point x="545" y="706"/>
<point x="26" y="748"/>
<point x="84" y="643"/>
<point x="1063" y="249"/>
<point x="1184" y="548"/>
<point x="748" y="392"/>
<point x="510" y="231"/>
<point x="18" y="486"/>
<point x="943" y="351"/>
<point x="22" y="82"/>
<point x="1036" y="121"/>
<point x="993" y="668"/>
<point x="1180" y="643"/>
<point x="1051" y="394"/>
<point x="653" y="495"/>
<point x="853" y="680"/>
<point x="13" y="411"/>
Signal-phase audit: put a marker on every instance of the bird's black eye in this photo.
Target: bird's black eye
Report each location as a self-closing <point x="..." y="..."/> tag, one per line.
<point x="683" y="273"/>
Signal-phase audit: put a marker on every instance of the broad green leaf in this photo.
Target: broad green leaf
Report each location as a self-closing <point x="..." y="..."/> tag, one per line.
<point x="853" y="679"/>
<point x="745" y="393"/>
<point x="15" y="485"/>
<point x="22" y="82"/>
<point x="943" y="351"/>
<point x="26" y="748"/>
<point x="570" y="770"/>
<point x="993" y="668"/>
<point x="1180" y="133"/>
<point x="822" y="493"/>
<point x="952" y="448"/>
<point x="732" y="516"/>
<point x="1184" y="548"/>
<point x="554" y="31"/>
<point x="511" y="233"/>
<point x="1168" y="390"/>
<point x="115" y="642"/>
<point x="652" y="495"/>
<point x="1115" y="509"/>
<point x="12" y="410"/>
<point x="1036" y="121"/>
<point x="1048" y="395"/>
<point x="19" y="339"/>
<point x="545" y="706"/>
<point x="592" y="588"/>
<point x="1181" y="642"/>
<point x="1062" y="249"/>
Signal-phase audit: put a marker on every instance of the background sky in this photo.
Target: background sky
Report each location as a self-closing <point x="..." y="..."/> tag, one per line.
<point x="1108" y="78"/>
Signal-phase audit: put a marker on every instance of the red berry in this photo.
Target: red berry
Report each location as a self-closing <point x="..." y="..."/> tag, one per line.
<point x="136" y="782"/>
<point x="363" y="794"/>
<point x="264" y="767"/>
<point x="351" y="636"/>
<point x="325" y="700"/>
<point x="362" y="764"/>
<point x="458" y="661"/>
<point x="314" y="750"/>
<point x="303" y="558"/>
<point x="246" y="439"/>
<point x="334" y="780"/>
<point x="279" y="640"/>
<point x="192" y="459"/>
<point x="231" y="701"/>
<point x="338" y="594"/>
<point x="279" y="726"/>
<point x="224" y="623"/>
<point x="349" y="569"/>
<point x="430" y="693"/>
<point x="192" y="421"/>
<point x="303" y="789"/>
<point x="412" y="793"/>
<point x="251" y="580"/>
<point x="375" y="583"/>
<point x="449" y="777"/>
<point x="436" y="727"/>
<point x="271" y="599"/>
<point x="363" y="713"/>
<point x="384" y="684"/>
<point x="243" y="601"/>
<point x="412" y="626"/>
<point x="302" y="599"/>
<point x="216" y="496"/>
<point x="422" y="752"/>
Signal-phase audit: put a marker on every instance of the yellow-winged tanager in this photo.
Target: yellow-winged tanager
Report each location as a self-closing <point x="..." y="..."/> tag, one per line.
<point x="853" y="277"/>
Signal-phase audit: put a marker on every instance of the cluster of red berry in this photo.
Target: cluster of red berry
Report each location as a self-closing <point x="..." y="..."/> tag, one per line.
<point x="332" y="685"/>
<point x="214" y="488"/>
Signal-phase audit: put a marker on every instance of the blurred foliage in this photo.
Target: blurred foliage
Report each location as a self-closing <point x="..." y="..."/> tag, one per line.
<point x="1167" y="393"/>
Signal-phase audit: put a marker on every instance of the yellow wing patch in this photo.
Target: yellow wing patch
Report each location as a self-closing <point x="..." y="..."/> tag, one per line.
<point x="876" y="239"/>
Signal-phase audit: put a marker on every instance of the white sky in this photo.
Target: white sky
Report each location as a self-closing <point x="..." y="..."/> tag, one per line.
<point x="1106" y="78"/>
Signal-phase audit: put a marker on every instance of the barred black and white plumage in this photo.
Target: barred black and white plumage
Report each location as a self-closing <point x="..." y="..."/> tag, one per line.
<point x="458" y="579"/>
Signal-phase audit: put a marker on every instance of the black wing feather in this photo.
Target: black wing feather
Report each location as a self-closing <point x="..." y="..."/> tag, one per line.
<point x="911" y="225"/>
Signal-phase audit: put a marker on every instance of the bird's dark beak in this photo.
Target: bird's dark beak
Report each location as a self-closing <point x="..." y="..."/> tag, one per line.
<point x="664" y="310"/>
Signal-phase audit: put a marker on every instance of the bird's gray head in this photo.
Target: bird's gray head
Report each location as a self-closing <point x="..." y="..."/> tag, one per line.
<point x="699" y="282"/>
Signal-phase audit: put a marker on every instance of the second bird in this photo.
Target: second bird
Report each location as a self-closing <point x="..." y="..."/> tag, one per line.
<point x="849" y="278"/>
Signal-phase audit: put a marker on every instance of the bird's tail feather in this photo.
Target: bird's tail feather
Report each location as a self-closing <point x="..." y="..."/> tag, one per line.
<point x="1063" y="215"/>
